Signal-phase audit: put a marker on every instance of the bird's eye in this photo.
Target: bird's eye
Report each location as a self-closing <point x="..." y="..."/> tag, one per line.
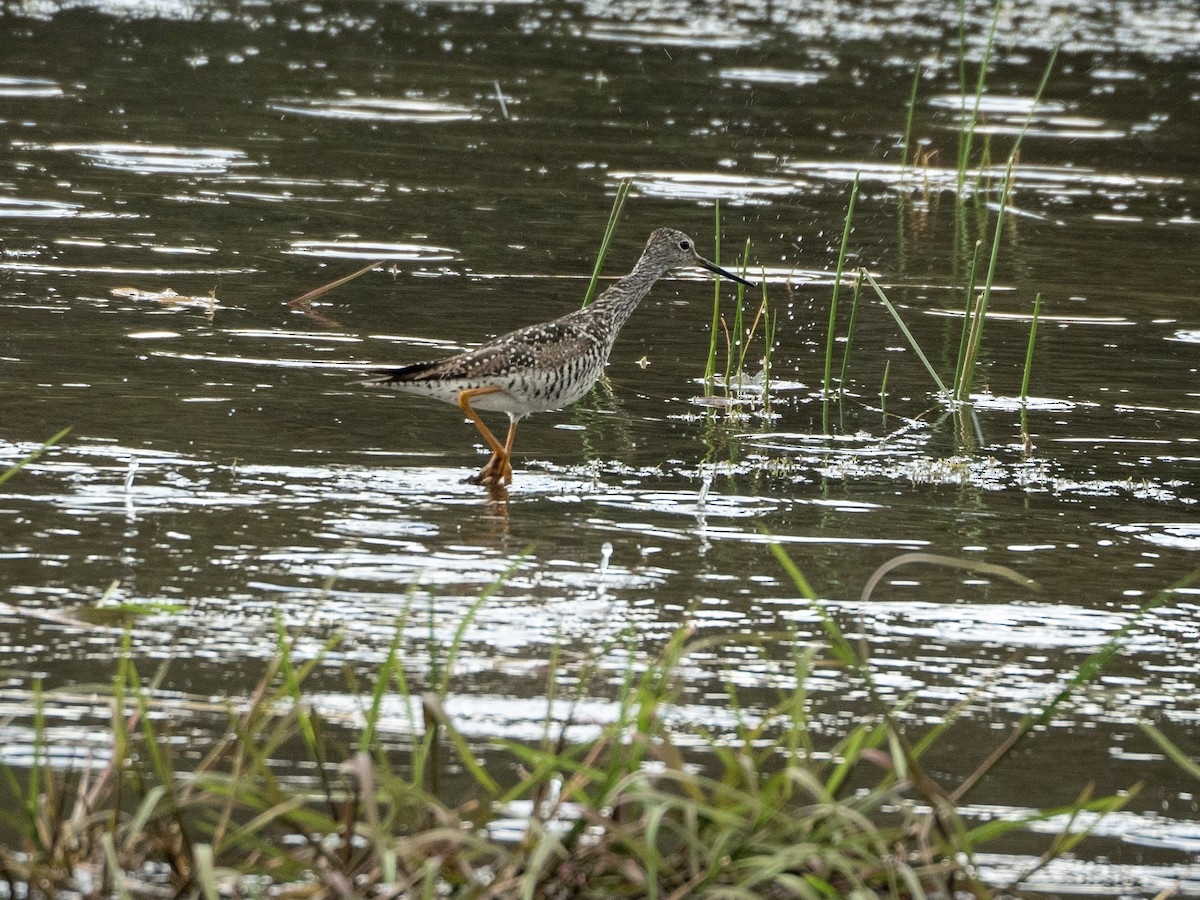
<point x="684" y="245"/>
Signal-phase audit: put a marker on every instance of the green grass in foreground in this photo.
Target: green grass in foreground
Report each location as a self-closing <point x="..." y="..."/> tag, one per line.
<point x="626" y="813"/>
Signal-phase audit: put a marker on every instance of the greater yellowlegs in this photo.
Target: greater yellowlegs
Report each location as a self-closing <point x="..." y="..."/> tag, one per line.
<point x="545" y="366"/>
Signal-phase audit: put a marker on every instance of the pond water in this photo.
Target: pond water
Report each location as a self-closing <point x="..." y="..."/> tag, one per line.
<point x="221" y="464"/>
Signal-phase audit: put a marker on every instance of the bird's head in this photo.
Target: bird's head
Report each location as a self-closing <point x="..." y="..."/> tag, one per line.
<point x="673" y="249"/>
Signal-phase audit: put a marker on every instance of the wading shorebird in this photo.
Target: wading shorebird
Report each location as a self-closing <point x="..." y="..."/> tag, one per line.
<point x="545" y="366"/>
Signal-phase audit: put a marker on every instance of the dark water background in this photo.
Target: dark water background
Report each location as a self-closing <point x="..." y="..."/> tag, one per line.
<point x="241" y="154"/>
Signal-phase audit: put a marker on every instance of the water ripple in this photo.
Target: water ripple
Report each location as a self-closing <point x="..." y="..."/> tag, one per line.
<point x="375" y="109"/>
<point x="152" y="159"/>
<point x="16" y="86"/>
<point x="1056" y="183"/>
<point x="371" y="250"/>
<point x="792" y="77"/>
<point x="710" y="34"/>
<point x="742" y="189"/>
<point x="23" y="208"/>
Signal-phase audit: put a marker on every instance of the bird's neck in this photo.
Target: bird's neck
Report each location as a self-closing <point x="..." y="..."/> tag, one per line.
<point x="620" y="300"/>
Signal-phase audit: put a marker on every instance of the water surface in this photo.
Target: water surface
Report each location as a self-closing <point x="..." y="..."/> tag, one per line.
<point x="188" y="168"/>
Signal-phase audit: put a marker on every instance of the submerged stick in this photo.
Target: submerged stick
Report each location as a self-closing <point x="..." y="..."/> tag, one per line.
<point x="952" y="562"/>
<point x="302" y="301"/>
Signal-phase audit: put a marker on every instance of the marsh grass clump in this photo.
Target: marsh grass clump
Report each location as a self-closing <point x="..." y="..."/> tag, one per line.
<point x="771" y="808"/>
<point x="984" y="183"/>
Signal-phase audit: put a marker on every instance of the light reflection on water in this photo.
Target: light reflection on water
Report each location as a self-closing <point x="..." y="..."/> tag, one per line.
<point x="152" y="159"/>
<point x="378" y="109"/>
<point x="225" y="466"/>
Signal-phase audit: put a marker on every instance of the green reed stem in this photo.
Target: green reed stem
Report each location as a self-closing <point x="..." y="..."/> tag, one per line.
<point x="1033" y="325"/>
<point x="769" y="333"/>
<point x="744" y="337"/>
<point x="969" y="301"/>
<point x="983" y="178"/>
<point x="965" y="376"/>
<point x="966" y="134"/>
<point x="908" y="123"/>
<point x="609" y="231"/>
<point x="20" y="464"/>
<point x="963" y="385"/>
<point x="962" y="59"/>
<point x="711" y="369"/>
<point x="41" y="755"/>
<point x="912" y="341"/>
<point x="833" y="303"/>
<point x="887" y="367"/>
<point x="740" y="338"/>
<point x="849" y="335"/>
<point x="1175" y="754"/>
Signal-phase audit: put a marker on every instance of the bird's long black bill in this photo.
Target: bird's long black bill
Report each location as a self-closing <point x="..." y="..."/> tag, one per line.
<point x="713" y="267"/>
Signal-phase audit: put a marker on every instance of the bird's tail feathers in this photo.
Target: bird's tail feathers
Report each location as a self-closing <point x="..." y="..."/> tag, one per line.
<point x="385" y="377"/>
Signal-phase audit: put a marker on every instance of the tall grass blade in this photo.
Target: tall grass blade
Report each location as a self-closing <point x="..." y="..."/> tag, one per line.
<point x="1033" y="325"/>
<point x="1066" y="840"/>
<point x="391" y="668"/>
<point x="849" y="750"/>
<point x="1097" y="661"/>
<point x="833" y="303"/>
<point x="968" y="310"/>
<point x="967" y="127"/>
<point x="769" y="333"/>
<point x="291" y="685"/>
<point x="437" y="712"/>
<point x="147" y="808"/>
<point x="744" y="336"/>
<point x="974" y="334"/>
<point x="710" y="370"/>
<point x="206" y="873"/>
<point x="116" y="876"/>
<point x="979" y="320"/>
<point x="443" y="684"/>
<point x="159" y="761"/>
<point x="1086" y="671"/>
<point x="841" y="647"/>
<point x="850" y="334"/>
<point x="1172" y="750"/>
<point x="32" y="457"/>
<point x="908" y="123"/>
<point x="738" y="344"/>
<point x="304" y="300"/>
<point x="912" y="341"/>
<point x="33" y="796"/>
<point x="609" y="231"/>
<point x="965" y="379"/>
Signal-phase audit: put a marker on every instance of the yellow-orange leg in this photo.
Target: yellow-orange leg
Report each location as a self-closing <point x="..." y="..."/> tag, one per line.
<point x="508" y="445"/>
<point x="498" y="467"/>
